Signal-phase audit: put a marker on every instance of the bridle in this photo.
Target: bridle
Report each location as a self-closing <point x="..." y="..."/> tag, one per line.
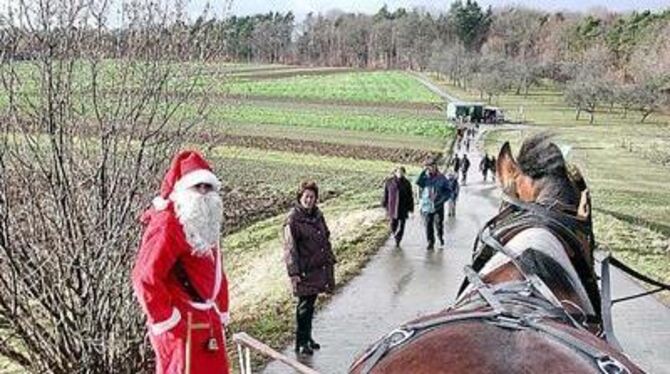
<point x="520" y="305"/>
<point x="515" y="216"/>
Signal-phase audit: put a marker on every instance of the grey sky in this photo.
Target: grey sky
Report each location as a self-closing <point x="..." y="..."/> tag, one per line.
<point x="302" y="7"/>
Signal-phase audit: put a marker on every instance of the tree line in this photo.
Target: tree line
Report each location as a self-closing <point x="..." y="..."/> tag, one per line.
<point x="601" y="59"/>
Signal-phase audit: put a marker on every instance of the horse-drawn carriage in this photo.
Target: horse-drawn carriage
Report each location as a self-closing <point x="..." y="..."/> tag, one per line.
<point x="530" y="301"/>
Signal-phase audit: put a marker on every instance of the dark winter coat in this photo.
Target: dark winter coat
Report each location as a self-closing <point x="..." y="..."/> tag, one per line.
<point x="398" y="199"/>
<point x="308" y="252"/>
<point x="435" y="191"/>
<point x="465" y="164"/>
<point x="452" y="180"/>
<point x="457" y="164"/>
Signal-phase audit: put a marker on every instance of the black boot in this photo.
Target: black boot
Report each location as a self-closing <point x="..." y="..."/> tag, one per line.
<point x="314" y="345"/>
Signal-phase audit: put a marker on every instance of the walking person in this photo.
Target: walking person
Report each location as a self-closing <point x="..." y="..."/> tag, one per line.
<point x="492" y="165"/>
<point x="309" y="261"/>
<point x="452" y="180"/>
<point x="467" y="145"/>
<point x="434" y="192"/>
<point x="398" y="202"/>
<point x="178" y="275"/>
<point x="456" y="163"/>
<point x="465" y="165"/>
<point x="485" y="166"/>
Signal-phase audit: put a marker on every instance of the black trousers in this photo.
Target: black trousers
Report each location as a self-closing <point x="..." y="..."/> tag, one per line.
<point x="434" y="221"/>
<point x="398" y="228"/>
<point x="304" y="312"/>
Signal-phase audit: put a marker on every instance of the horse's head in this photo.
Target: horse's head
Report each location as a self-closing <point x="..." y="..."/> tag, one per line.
<point x="538" y="174"/>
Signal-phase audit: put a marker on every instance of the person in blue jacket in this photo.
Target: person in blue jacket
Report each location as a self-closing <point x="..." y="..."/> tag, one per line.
<point x="434" y="191"/>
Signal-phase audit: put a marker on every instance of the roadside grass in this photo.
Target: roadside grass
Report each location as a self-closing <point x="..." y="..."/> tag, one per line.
<point x="259" y="184"/>
<point x="261" y="300"/>
<point x="375" y="86"/>
<point x="630" y="192"/>
<point x="545" y="107"/>
<point x="255" y="267"/>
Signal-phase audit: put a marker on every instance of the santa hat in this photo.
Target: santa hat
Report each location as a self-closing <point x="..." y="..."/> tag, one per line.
<point x="188" y="169"/>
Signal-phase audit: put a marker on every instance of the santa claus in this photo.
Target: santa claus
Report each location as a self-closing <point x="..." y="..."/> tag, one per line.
<point x="178" y="277"/>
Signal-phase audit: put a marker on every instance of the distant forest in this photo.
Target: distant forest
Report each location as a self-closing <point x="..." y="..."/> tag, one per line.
<point x="601" y="58"/>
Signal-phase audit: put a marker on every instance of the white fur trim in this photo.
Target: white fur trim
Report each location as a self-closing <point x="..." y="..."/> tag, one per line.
<point x="163" y="326"/>
<point x="207" y="305"/>
<point x="159" y="203"/>
<point x="195" y="177"/>
<point x="225" y="318"/>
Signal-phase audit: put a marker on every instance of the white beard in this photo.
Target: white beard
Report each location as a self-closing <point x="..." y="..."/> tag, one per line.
<point x="200" y="216"/>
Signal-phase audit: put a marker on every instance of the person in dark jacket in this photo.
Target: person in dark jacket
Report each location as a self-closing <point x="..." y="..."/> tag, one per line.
<point x="434" y="192"/>
<point x="492" y="165"/>
<point x="485" y="166"/>
<point x="398" y="201"/>
<point x="309" y="261"/>
<point x="456" y="162"/>
<point x="465" y="165"/>
<point x="452" y="179"/>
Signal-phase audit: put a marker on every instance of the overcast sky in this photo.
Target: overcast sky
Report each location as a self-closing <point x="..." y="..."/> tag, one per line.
<point x="302" y="7"/>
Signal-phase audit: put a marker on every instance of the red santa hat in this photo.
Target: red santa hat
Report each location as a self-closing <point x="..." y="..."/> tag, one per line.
<point x="188" y="169"/>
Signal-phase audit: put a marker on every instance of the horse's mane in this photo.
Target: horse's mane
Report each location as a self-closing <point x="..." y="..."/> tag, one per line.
<point x="543" y="161"/>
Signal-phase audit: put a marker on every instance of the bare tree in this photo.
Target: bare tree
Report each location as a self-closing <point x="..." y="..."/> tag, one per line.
<point x="91" y="112"/>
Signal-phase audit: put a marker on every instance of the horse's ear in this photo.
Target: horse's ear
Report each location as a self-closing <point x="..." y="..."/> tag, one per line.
<point x="506" y="167"/>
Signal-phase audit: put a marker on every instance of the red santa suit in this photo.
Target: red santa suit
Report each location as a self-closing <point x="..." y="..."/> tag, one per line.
<point x="164" y="261"/>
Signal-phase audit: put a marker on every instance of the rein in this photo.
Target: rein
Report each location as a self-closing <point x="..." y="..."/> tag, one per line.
<point x="517" y="305"/>
<point x="514" y="217"/>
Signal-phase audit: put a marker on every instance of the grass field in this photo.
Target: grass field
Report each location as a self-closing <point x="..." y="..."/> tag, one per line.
<point x="383" y="87"/>
<point x="260" y="295"/>
<point x="346" y="130"/>
<point x="623" y="161"/>
<point x="342" y="119"/>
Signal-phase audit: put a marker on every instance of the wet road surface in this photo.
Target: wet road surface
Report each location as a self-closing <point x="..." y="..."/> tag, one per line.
<point x="400" y="284"/>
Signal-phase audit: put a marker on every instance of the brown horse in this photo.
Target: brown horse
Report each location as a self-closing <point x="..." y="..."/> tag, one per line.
<point x="530" y="300"/>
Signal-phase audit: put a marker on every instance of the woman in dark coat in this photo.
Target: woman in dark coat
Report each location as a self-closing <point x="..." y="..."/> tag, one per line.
<point x="398" y="202"/>
<point x="309" y="261"/>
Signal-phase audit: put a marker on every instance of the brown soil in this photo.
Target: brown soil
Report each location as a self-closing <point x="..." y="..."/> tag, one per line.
<point x="397" y="155"/>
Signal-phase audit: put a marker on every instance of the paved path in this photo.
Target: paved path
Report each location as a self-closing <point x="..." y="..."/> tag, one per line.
<point x="421" y="77"/>
<point x="398" y="285"/>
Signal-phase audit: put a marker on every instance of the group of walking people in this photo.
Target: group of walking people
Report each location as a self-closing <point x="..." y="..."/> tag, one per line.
<point x="178" y="276"/>
<point x="435" y="190"/>
<point x="488" y="165"/>
<point x="462" y="165"/>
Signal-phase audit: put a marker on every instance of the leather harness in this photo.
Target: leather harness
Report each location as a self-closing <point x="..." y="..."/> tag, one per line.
<point x="518" y="305"/>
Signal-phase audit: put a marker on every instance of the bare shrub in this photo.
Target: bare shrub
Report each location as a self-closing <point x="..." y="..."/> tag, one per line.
<point x="92" y="92"/>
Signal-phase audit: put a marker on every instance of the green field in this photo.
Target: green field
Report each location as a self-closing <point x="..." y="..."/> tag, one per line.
<point x="379" y="112"/>
<point x="385" y="87"/>
<point x="622" y="161"/>
<point x="342" y="119"/>
<point x="261" y="299"/>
